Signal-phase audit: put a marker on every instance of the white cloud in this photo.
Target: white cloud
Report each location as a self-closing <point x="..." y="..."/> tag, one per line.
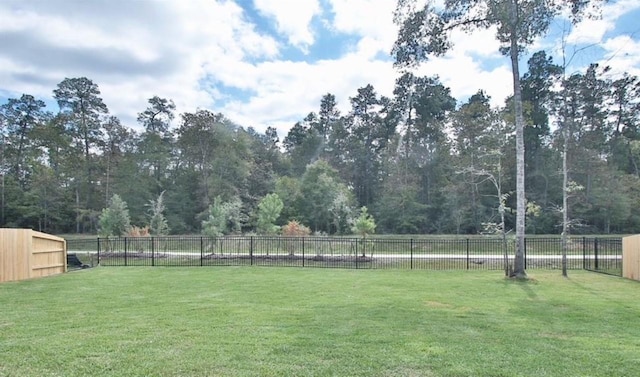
<point x="132" y="50"/>
<point x="622" y="55"/>
<point x="593" y="30"/>
<point x="293" y="18"/>
<point x="465" y="76"/>
<point x="372" y="19"/>
<point x="460" y="69"/>
<point x="364" y="17"/>
<point x="286" y="91"/>
<point x="200" y="53"/>
<point x="480" y="43"/>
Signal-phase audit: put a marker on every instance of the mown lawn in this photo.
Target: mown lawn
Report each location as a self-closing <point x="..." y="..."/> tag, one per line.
<point x="252" y="321"/>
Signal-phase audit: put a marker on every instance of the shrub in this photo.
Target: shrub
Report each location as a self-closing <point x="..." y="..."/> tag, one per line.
<point x="295" y="229"/>
<point x="135" y="231"/>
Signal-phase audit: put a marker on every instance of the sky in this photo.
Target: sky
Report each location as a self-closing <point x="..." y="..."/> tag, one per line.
<point x="263" y="62"/>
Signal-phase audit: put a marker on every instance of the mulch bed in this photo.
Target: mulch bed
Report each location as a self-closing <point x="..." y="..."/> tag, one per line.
<point x="290" y="257"/>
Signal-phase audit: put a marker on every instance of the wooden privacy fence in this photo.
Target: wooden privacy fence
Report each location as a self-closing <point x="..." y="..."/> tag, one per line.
<point x="26" y="254"/>
<point x="631" y="257"/>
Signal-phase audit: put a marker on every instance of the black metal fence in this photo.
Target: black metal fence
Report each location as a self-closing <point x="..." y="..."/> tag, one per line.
<point x="596" y="254"/>
<point x="603" y="255"/>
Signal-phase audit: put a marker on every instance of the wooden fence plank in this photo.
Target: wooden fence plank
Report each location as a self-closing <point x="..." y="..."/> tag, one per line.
<point x="631" y="257"/>
<point x="26" y="254"/>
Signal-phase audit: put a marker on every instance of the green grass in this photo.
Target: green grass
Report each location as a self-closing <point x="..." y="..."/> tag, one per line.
<point x="252" y="321"/>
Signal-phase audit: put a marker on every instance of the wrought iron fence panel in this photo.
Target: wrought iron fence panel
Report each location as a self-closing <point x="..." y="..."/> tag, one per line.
<point x="440" y="253"/>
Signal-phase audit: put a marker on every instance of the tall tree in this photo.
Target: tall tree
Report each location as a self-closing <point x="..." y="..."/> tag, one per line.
<point x="327" y="116"/>
<point x="21" y="116"/>
<point x="216" y="152"/>
<point x="537" y="96"/>
<point x="156" y="141"/>
<point x="478" y="138"/>
<point x="265" y="161"/>
<point x="3" y="170"/>
<point x="117" y="142"/>
<point x="518" y="23"/>
<point x="625" y="112"/>
<point x="369" y="132"/>
<point x="319" y="189"/>
<point x="304" y="143"/>
<point x="79" y="98"/>
<point x="158" y="115"/>
<point x="414" y="178"/>
<point x="81" y="105"/>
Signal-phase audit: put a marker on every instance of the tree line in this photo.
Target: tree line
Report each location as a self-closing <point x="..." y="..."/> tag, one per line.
<point x="419" y="161"/>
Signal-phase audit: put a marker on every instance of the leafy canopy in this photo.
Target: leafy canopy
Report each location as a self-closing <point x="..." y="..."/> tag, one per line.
<point x="114" y="220"/>
<point x="269" y="210"/>
<point x="224" y="217"/>
<point x="364" y="224"/>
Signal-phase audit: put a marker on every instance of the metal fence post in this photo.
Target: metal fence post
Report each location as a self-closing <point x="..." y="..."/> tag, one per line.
<point x="467" y="253"/>
<point x="584" y="253"/>
<point x="357" y="253"/>
<point x="251" y="250"/>
<point x="98" y="240"/>
<point x="125" y="251"/>
<point x="201" y="251"/>
<point x="525" y="253"/>
<point x="153" y="253"/>
<point x="303" y="251"/>
<point x="595" y="253"/>
<point x="412" y="253"/>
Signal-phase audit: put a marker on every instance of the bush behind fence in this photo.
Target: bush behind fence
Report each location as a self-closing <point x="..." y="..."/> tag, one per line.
<point x="597" y="254"/>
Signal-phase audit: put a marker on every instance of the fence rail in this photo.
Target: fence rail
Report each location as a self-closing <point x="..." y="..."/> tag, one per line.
<point x="597" y="254"/>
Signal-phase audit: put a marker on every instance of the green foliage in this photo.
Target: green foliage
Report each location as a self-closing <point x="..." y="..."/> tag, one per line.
<point x="288" y="190"/>
<point x="341" y="210"/>
<point x="364" y="224"/>
<point x="321" y="190"/>
<point x="400" y="156"/>
<point x="268" y="212"/>
<point x="216" y="224"/>
<point x="114" y="220"/>
<point x="158" y="225"/>
<point x="223" y="218"/>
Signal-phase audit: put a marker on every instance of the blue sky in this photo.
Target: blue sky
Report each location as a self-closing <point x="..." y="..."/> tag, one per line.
<point x="261" y="62"/>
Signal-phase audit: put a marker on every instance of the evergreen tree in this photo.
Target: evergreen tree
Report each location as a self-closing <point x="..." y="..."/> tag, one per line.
<point x="268" y="212"/>
<point x="114" y="220"/>
<point x="158" y="225"/>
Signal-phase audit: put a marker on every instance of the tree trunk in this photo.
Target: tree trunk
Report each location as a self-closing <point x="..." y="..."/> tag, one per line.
<point x="2" y="204"/>
<point x="565" y="201"/>
<point x="518" y="263"/>
<point x="18" y="164"/>
<point x="77" y="211"/>
<point x="2" y="198"/>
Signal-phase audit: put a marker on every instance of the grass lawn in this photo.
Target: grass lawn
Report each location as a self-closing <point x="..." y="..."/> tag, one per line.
<point x="252" y="321"/>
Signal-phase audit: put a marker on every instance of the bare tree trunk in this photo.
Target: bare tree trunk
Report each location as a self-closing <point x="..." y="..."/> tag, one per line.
<point x="3" y="198"/>
<point x="501" y="209"/>
<point x="106" y="191"/>
<point x="565" y="207"/>
<point x="518" y="263"/>
<point x="77" y="211"/>
<point x="2" y="219"/>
